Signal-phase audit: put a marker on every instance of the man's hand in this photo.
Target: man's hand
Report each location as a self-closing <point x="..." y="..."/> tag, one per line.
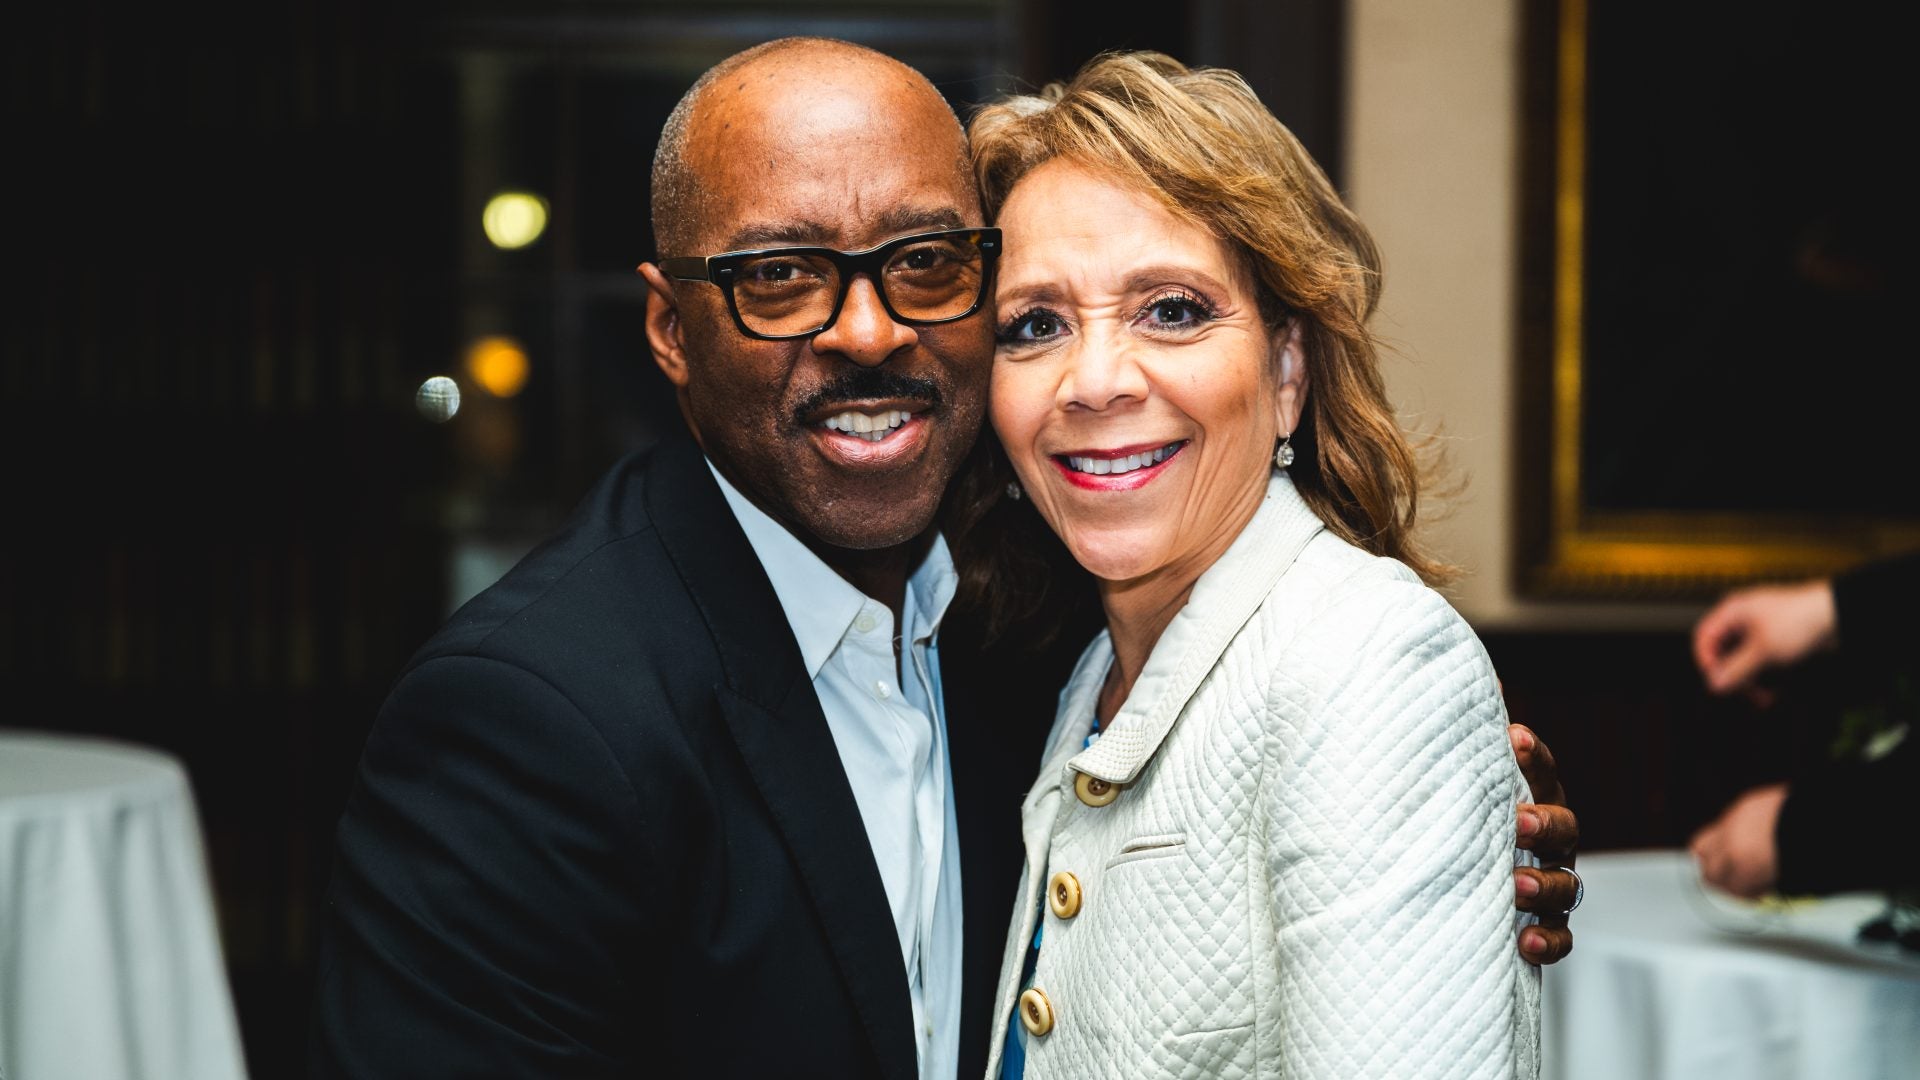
<point x="1550" y="831"/>
<point x="1751" y="630"/>
<point x="1736" y="852"/>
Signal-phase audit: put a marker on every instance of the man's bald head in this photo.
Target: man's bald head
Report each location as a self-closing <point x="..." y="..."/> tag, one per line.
<point x="786" y="74"/>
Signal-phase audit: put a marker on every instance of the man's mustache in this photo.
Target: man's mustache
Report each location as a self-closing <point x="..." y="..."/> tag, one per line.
<point x="865" y="384"/>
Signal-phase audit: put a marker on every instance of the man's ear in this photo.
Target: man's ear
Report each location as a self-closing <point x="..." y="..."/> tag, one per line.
<point x="1291" y="401"/>
<point x="663" y="326"/>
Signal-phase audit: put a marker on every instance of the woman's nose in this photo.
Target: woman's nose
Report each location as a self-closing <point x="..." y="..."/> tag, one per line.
<point x="864" y="332"/>
<point x="1101" y="374"/>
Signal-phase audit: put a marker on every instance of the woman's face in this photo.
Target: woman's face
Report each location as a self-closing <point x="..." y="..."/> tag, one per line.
<point x="1134" y="386"/>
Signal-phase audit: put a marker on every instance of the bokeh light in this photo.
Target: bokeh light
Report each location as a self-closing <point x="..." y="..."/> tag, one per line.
<point x="514" y="219"/>
<point x="498" y="365"/>
<point x="437" y="399"/>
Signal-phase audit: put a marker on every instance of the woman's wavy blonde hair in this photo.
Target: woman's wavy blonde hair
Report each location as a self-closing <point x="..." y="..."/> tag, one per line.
<point x="1200" y="142"/>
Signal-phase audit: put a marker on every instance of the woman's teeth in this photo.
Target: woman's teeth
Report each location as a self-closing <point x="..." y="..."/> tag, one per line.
<point x="1112" y="466"/>
<point x="869" y="426"/>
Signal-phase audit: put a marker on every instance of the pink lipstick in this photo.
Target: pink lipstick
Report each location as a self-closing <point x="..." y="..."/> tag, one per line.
<point x="1121" y="469"/>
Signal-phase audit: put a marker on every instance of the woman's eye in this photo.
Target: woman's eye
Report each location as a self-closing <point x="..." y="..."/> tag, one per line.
<point x="1175" y="312"/>
<point x="1033" y="326"/>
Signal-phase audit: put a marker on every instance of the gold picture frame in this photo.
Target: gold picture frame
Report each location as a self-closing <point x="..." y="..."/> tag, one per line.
<point x="1569" y="547"/>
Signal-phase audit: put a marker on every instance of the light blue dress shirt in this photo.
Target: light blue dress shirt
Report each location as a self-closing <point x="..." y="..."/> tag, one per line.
<point x="889" y="725"/>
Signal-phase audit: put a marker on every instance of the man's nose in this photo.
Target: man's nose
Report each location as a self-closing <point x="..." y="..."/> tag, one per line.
<point x="864" y="333"/>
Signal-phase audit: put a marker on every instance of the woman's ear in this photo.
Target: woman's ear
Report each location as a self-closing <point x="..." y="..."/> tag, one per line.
<point x="1291" y="400"/>
<point x="663" y="326"/>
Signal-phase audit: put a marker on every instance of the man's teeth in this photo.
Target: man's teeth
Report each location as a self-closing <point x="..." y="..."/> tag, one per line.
<point x="869" y="426"/>
<point x="1111" y="466"/>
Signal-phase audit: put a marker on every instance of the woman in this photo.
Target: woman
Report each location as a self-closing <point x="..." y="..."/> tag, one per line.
<point x="1273" y="833"/>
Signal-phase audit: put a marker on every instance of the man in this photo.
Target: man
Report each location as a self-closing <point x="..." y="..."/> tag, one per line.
<point x="1805" y="836"/>
<point x="673" y="797"/>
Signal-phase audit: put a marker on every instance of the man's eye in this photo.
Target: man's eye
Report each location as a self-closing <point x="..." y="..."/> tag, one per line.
<point x="927" y="259"/>
<point x="779" y="271"/>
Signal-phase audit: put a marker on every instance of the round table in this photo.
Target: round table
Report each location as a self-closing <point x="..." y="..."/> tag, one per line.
<point x="110" y="961"/>
<point x="1669" y="980"/>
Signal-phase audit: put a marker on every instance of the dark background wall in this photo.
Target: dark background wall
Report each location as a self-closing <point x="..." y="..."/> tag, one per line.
<point x="226" y="523"/>
<point x="252" y="232"/>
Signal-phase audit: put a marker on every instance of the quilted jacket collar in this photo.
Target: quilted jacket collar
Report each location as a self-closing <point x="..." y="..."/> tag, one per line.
<point x="1224" y="598"/>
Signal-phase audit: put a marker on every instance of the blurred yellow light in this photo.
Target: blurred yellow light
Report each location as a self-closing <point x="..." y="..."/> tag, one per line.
<point x="498" y="365"/>
<point x="514" y="219"/>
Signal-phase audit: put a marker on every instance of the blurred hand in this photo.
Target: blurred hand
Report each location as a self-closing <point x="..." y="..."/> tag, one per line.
<point x="1736" y="852"/>
<point x="1753" y="629"/>
<point x="1551" y="832"/>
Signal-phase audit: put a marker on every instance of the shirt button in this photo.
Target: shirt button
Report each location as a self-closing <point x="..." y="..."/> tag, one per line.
<point x="881" y="688"/>
<point x="865" y="623"/>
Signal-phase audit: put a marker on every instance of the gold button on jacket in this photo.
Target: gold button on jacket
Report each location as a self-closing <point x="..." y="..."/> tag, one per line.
<point x="1036" y="1012"/>
<point x="1094" y="791"/>
<point x="1063" y="895"/>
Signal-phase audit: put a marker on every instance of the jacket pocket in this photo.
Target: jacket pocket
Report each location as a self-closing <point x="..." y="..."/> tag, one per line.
<point x="1143" y="848"/>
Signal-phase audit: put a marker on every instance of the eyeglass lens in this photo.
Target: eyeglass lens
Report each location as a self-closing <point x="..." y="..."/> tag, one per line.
<point x="791" y="293"/>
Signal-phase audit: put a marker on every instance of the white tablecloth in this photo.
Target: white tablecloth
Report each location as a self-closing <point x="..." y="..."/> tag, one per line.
<point x="110" y="963"/>
<point x="1669" y="981"/>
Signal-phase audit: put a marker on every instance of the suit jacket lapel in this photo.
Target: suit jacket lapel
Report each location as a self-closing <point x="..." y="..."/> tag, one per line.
<point x="775" y="719"/>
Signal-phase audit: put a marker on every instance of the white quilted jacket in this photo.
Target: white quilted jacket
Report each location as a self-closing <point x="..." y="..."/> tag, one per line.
<point x="1307" y="871"/>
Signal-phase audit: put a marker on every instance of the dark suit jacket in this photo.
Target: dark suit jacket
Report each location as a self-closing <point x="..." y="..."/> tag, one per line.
<point x="601" y="829"/>
<point x="1841" y="825"/>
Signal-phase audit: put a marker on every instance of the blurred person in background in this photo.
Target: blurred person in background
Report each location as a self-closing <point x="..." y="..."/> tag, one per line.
<point x="1839" y="825"/>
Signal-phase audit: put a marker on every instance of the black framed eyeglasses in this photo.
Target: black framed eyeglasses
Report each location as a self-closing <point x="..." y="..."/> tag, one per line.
<point x="793" y="292"/>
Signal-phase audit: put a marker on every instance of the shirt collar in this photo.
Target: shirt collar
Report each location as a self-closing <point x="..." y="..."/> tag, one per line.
<point x="1226" y="595"/>
<point x="820" y="605"/>
<point x="930" y="589"/>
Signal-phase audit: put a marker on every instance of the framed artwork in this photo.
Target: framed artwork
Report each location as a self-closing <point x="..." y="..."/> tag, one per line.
<point x="1713" y="340"/>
